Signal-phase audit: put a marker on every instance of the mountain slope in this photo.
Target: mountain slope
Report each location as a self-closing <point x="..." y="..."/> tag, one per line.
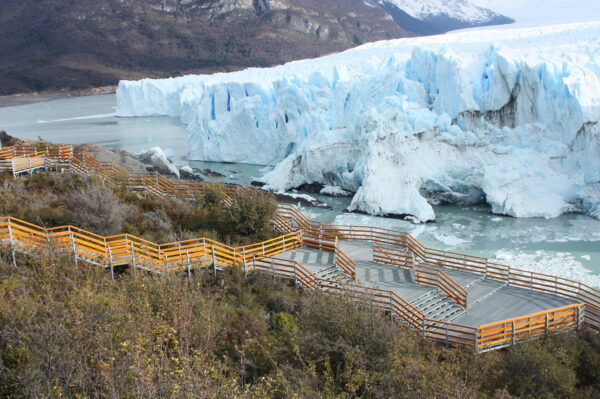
<point x="427" y="17"/>
<point x="54" y="44"/>
<point x="48" y="44"/>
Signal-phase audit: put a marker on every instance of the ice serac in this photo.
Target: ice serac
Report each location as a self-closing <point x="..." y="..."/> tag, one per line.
<point x="507" y="117"/>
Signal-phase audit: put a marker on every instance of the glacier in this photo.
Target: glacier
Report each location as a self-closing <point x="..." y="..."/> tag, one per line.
<point x="507" y="117"/>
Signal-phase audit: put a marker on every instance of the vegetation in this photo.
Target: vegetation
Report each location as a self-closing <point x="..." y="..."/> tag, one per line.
<point x="68" y="331"/>
<point x="51" y="200"/>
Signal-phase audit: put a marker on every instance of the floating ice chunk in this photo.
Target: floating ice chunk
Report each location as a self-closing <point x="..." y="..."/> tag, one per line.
<point x="335" y="191"/>
<point x="449" y="240"/>
<point x="559" y="264"/>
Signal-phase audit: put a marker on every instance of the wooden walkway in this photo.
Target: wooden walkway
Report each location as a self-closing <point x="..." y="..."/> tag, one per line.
<point x="448" y="297"/>
<point x="488" y="300"/>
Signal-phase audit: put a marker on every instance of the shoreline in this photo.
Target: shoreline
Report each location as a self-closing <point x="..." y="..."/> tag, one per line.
<point x="13" y="100"/>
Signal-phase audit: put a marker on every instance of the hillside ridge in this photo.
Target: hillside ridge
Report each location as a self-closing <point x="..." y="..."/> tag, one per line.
<point x="63" y="45"/>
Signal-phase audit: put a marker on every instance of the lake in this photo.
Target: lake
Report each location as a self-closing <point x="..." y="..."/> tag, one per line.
<point x="567" y="246"/>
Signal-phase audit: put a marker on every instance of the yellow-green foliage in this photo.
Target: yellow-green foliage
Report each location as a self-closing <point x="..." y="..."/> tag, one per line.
<point x="51" y="199"/>
<point x="69" y="331"/>
<point x="250" y="213"/>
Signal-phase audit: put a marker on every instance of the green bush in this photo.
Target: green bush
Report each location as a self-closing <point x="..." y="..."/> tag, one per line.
<point x="250" y="213"/>
<point x="70" y="331"/>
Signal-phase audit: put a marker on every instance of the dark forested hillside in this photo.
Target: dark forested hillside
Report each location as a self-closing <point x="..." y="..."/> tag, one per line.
<point x="50" y="45"/>
<point x="54" y="44"/>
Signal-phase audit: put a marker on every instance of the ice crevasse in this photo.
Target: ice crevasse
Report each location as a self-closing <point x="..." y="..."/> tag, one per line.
<point x="507" y="117"/>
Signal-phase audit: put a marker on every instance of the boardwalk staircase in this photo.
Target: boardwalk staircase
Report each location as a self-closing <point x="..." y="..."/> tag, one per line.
<point x="438" y="306"/>
<point x="430" y="314"/>
<point x="334" y="273"/>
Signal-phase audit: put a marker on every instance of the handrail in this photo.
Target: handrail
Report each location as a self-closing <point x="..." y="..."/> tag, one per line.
<point x="424" y="274"/>
<point x="204" y="252"/>
<point x="100" y="249"/>
<point x="126" y="249"/>
<point x="499" y="334"/>
<point x="25" y="158"/>
<point x="431" y="276"/>
<point x="532" y="280"/>
<point x="344" y="262"/>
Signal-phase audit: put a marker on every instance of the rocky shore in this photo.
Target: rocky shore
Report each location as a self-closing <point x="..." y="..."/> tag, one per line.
<point x="31" y="98"/>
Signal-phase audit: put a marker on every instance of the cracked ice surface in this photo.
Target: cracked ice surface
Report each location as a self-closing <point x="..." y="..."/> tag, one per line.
<point x="507" y="117"/>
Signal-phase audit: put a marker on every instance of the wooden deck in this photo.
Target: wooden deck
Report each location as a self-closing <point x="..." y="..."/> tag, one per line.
<point x="449" y="297"/>
<point x="488" y="300"/>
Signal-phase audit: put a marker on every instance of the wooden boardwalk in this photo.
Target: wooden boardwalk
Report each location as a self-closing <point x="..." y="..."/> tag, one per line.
<point x="449" y="297"/>
<point x="488" y="300"/>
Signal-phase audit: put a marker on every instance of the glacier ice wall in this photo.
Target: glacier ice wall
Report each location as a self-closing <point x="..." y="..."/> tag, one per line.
<point x="509" y="117"/>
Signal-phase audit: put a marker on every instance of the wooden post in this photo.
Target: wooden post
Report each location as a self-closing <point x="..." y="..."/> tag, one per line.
<point x="448" y="343"/>
<point x="214" y="261"/>
<point x="578" y="316"/>
<point x="112" y="269"/>
<point x="272" y="268"/>
<point x="73" y="245"/>
<point x="189" y="269"/>
<point x="133" y="262"/>
<point x="514" y="338"/>
<point x="546" y="322"/>
<point x="244" y="261"/>
<point x="12" y="243"/>
<point x="48" y="242"/>
<point x="335" y="251"/>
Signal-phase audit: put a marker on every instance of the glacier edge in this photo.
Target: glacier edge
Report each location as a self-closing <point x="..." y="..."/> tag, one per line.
<point x="509" y="117"/>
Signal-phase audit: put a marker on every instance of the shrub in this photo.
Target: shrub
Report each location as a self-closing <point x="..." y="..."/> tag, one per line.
<point x="534" y="371"/>
<point x="69" y="331"/>
<point x="213" y="197"/>
<point x="250" y="213"/>
<point x="96" y="208"/>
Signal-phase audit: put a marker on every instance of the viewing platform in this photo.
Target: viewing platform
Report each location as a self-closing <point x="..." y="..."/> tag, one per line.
<point x="488" y="299"/>
<point x="454" y="298"/>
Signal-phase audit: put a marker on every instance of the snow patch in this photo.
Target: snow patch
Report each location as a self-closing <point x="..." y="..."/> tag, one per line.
<point x="458" y="9"/>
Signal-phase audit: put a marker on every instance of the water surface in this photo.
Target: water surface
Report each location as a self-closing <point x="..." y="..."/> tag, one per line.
<point x="567" y="246"/>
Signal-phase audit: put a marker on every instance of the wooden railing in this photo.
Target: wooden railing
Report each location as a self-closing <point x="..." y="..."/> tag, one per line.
<point x="344" y="262"/>
<point x="424" y="274"/>
<point x="125" y="249"/>
<point x="330" y="244"/>
<point x="111" y="251"/>
<point x="427" y="275"/>
<point x="19" y="159"/>
<point x="521" y="278"/>
<point x="507" y="332"/>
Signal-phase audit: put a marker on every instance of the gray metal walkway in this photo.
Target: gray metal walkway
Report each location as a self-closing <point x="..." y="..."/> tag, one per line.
<point x="488" y="300"/>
